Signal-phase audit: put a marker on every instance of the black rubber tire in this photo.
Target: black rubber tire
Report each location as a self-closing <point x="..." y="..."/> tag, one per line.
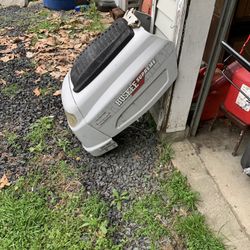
<point x="245" y="160"/>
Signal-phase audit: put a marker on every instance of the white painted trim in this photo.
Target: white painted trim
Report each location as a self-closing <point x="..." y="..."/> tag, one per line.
<point x="179" y="23"/>
<point x="176" y="129"/>
<point x="175" y="31"/>
<point x="195" y="36"/>
<point x="153" y="16"/>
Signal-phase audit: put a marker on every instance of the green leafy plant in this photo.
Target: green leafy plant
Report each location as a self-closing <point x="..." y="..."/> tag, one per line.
<point x="92" y="12"/>
<point x="64" y="144"/>
<point x="44" y="24"/>
<point x="94" y="15"/>
<point x="12" y="139"/>
<point x="47" y="90"/>
<point x="11" y="90"/>
<point x="118" y="198"/>
<point x="151" y="122"/>
<point x="44" y="13"/>
<point x="38" y="133"/>
<point x="74" y="152"/>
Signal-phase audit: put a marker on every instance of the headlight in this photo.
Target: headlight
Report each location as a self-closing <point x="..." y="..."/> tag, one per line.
<point x="72" y="120"/>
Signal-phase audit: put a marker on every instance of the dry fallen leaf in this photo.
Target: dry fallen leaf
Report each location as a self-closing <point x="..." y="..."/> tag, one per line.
<point x="8" y="50"/>
<point x="137" y="157"/>
<point x="62" y="69"/>
<point x="28" y="36"/>
<point x="167" y="246"/>
<point x="57" y="93"/>
<point x="62" y="33"/>
<point x="18" y="39"/>
<point x="7" y="58"/>
<point x="51" y="41"/>
<point x="183" y="212"/>
<point x="41" y="69"/>
<point x="66" y="26"/>
<point x="19" y="72"/>
<point x="57" y="50"/>
<point x="37" y="80"/>
<point x="4" y="182"/>
<point x="37" y="91"/>
<point x="29" y="54"/>
<point x="84" y="38"/>
<point x="78" y="46"/>
<point x="56" y="75"/>
<point x="55" y="15"/>
<point x="2" y="81"/>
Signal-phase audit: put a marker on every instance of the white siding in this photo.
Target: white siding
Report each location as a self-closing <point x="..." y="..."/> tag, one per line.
<point x="169" y="20"/>
<point x="164" y="24"/>
<point x="168" y="7"/>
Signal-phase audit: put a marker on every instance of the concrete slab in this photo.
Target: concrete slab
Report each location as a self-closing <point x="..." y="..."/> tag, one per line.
<point x="219" y="185"/>
<point x="6" y="3"/>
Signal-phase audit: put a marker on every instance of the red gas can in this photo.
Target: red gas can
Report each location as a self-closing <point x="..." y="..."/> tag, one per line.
<point x="217" y="93"/>
<point x="235" y="102"/>
<point x="146" y="6"/>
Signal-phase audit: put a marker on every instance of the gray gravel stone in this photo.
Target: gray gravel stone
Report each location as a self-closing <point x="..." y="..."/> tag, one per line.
<point x="126" y="168"/>
<point x="7" y="3"/>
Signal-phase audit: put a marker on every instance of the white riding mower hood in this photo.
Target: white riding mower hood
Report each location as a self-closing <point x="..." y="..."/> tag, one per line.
<point x="115" y="80"/>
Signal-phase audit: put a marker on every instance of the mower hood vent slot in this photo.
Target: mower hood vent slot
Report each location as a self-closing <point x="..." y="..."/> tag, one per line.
<point x="100" y="53"/>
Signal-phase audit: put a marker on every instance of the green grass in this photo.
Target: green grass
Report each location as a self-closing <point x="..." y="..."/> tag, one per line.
<point x="11" y="90"/>
<point x="39" y="26"/>
<point x="149" y="212"/>
<point x="38" y="132"/>
<point x="171" y="210"/>
<point x="167" y="153"/>
<point x="44" y="12"/>
<point x="43" y="21"/>
<point x="36" y="213"/>
<point x="154" y="215"/>
<point x="196" y="233"/>
<point x="12" y="139"/>
<point x="74" y="152"/>
<point x="179" y="192"/>
<point x="47" y="91"/>
<point x="64" y="144"/>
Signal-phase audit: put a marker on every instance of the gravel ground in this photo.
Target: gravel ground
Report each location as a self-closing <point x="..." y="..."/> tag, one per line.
<point x="126" y="168"/>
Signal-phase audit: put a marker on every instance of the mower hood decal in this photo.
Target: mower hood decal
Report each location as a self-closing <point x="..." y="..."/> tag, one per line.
<point x="135" y="85"/>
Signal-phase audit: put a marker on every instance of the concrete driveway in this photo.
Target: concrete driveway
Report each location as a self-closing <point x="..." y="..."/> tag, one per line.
<point x="225" y="190"/>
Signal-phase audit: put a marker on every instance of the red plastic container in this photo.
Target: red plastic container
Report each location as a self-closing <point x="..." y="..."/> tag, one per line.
<point x="146" y="6"/>
<point x="217" y="93"/>
<point x="235" y="102"/>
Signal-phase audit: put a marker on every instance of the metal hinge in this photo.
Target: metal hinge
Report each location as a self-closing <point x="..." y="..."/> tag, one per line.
<point x="132" y="20"/>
